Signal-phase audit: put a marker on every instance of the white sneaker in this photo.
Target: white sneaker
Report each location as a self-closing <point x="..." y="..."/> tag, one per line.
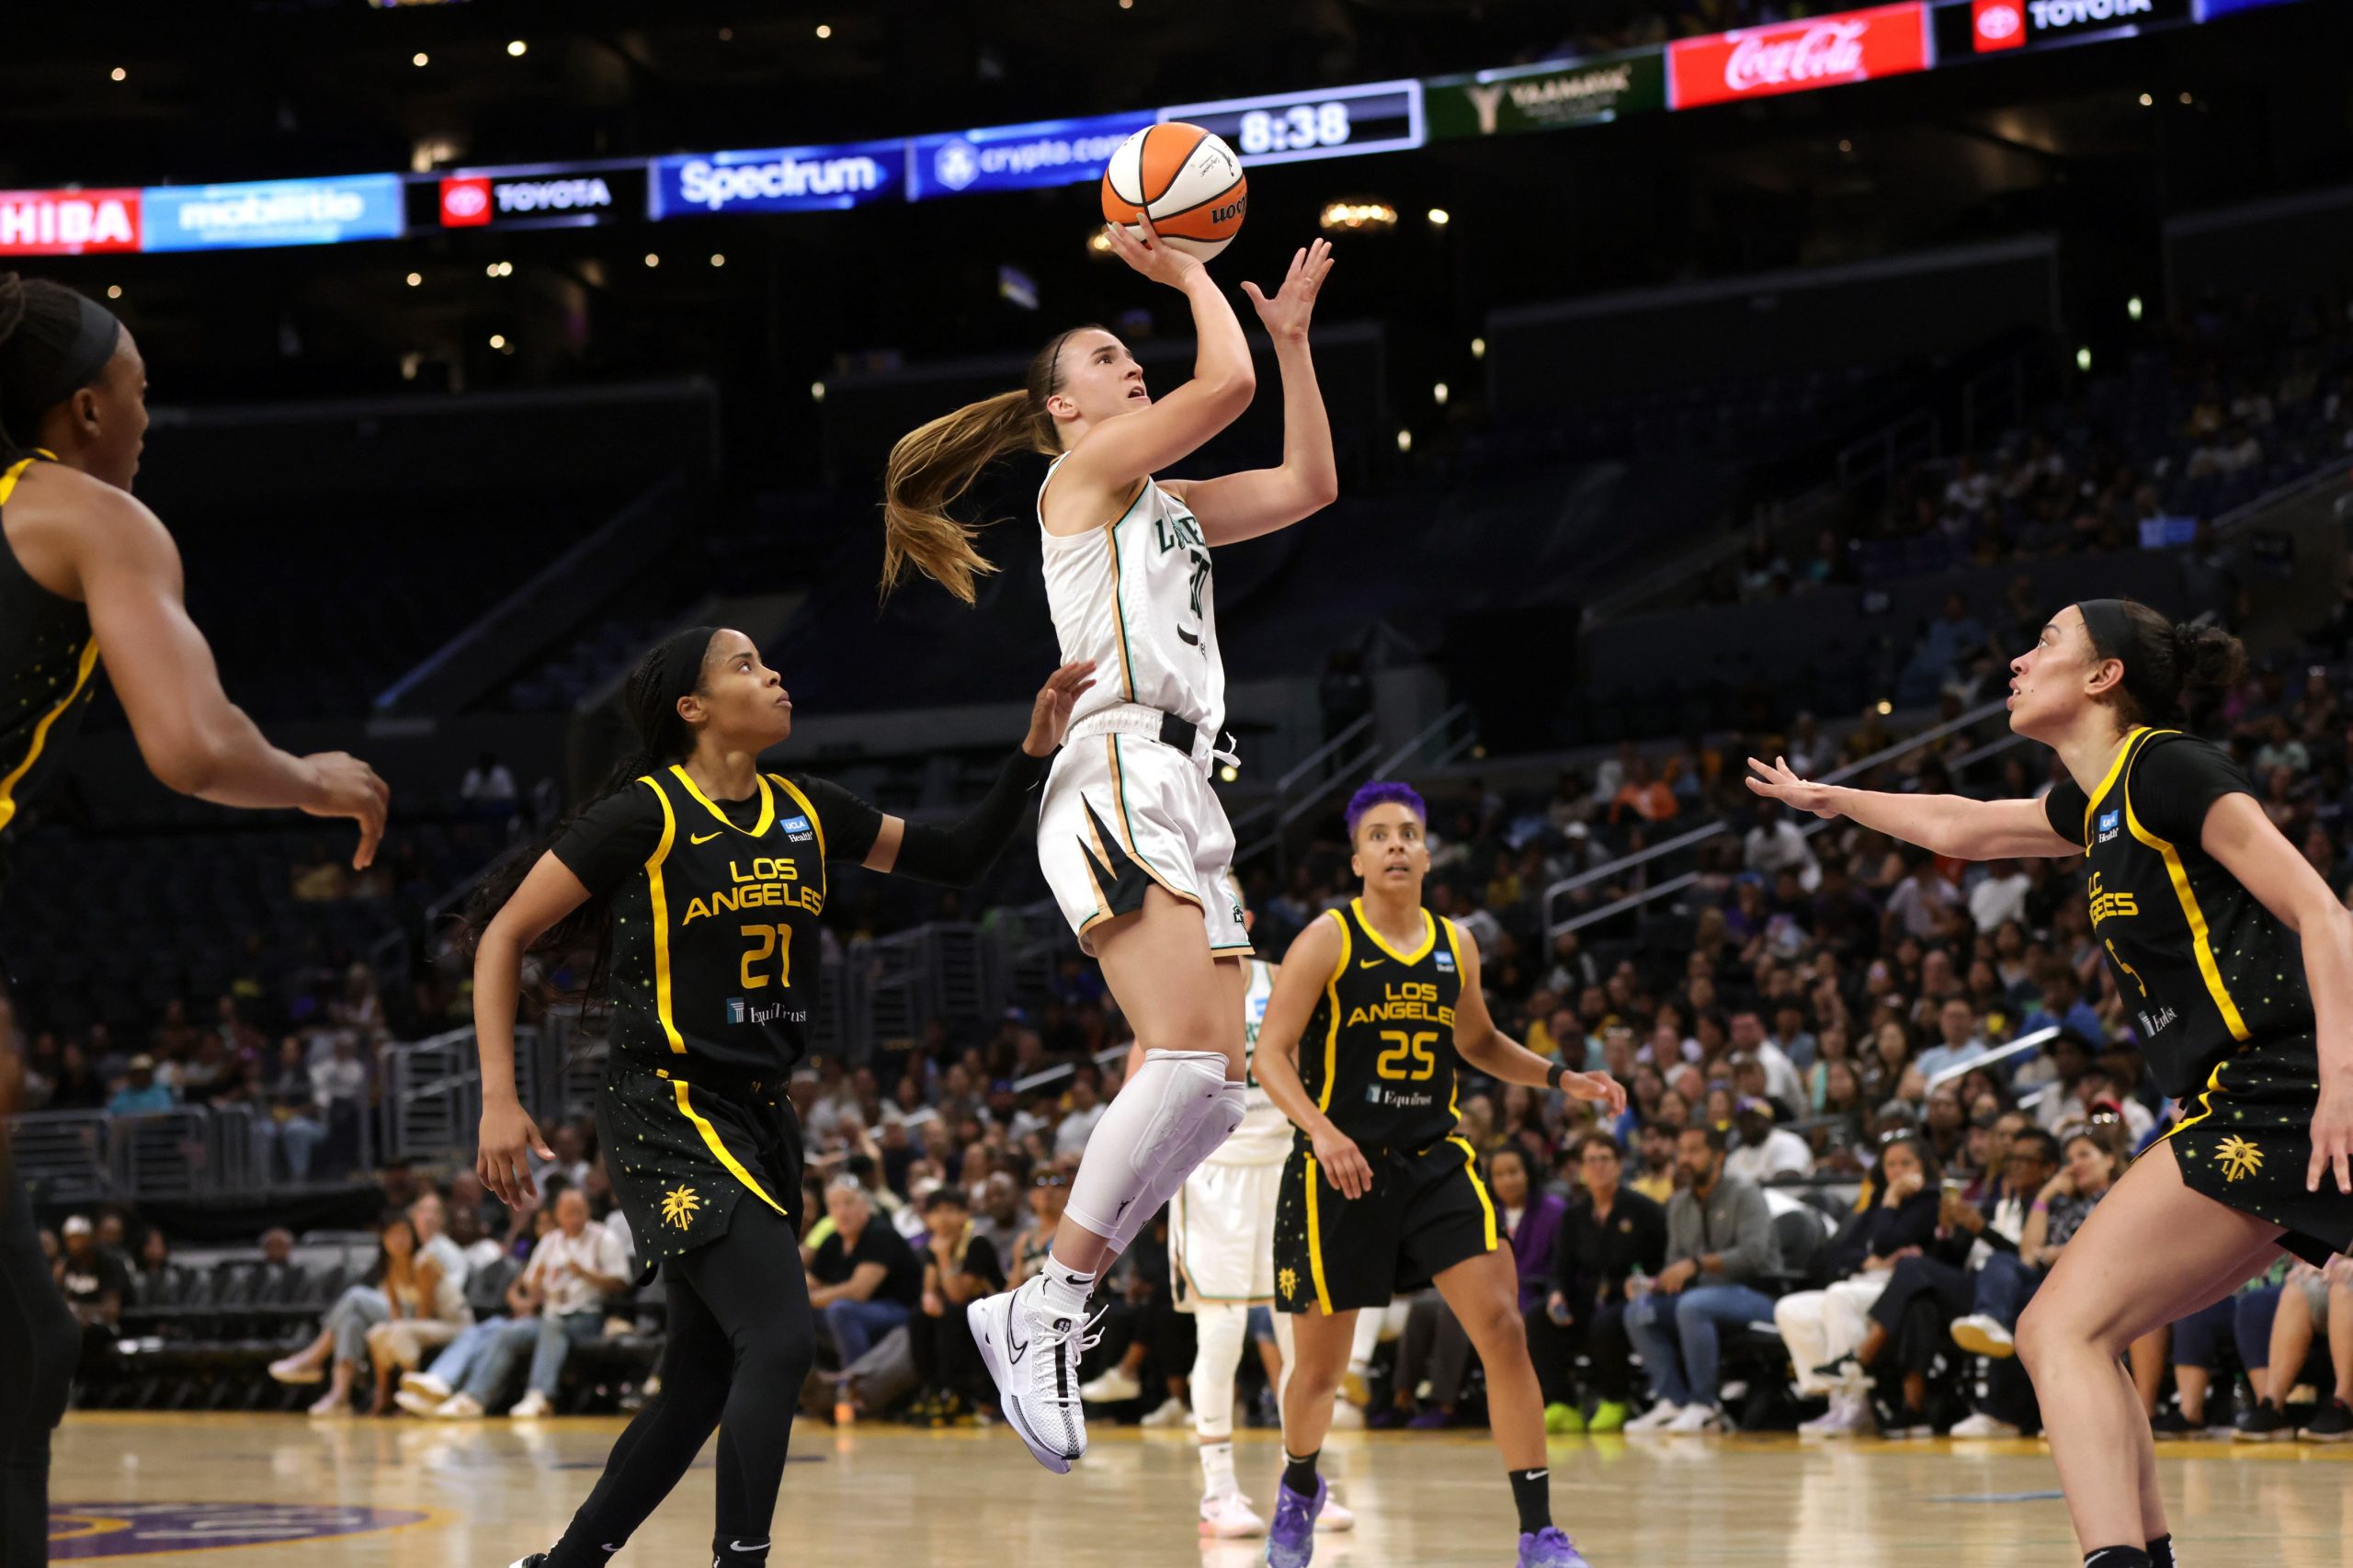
<point x="1333" y="1517"/>
<point x="427" y="1384"/>
<point x="459" y="1407"/>
<point x="1655" y="1418"/>
<point x="1981" y="1336"/>
<point x="1983" y="1425"/>
<point x="416" y="1402"/>
<point x="294" y="1370"/>
<point x="1848" y="1416"/>
<point x="1345" y="1417"/>
<point x="1034" y="1361"/>
<point x="1113" y="1387"/>
<point x="1172" y="1413"/>
<point x="1696" y="1418"/>
<point x="331" y="1405"/>
<point x="1229" y="1516"/>
<point x="531" y="1407"/>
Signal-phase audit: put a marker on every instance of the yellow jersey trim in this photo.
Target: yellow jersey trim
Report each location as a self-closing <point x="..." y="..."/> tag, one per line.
<point x="2205" y="1101"/>
<point x="816" y="825"/>
<point x="90" y="663"/>
<point x="2123" y="754"/>
<point x="1315" y="1241"/>
<point x="662" y="916"/>
<point x="1454" y="1094"/>
<point x="718" y="1147"/>
<point x="768" y="805"/>
<point x="13" y="473"/>
<point x="1429" y="935"/>
<point x="1332" y="1034"/>
<point x="1487" y="1204"/>
<point x="2201" y="944"/>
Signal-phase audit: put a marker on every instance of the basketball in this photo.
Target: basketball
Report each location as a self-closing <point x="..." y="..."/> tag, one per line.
<point x="1188" y="180"/>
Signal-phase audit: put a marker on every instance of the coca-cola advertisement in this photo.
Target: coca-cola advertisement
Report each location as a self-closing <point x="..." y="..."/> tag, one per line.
<point x="1797" y="57"/>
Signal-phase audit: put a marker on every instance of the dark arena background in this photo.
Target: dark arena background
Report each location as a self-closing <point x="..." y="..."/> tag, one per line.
<point x="1697" y="393"/>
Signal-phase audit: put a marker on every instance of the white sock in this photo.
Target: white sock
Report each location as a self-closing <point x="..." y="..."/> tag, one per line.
<point x="1219" y="1328"/>
<point x="1158" y="1119"/>
<point x="1063" y="1290"/>
<point x="1217" y="1469"/>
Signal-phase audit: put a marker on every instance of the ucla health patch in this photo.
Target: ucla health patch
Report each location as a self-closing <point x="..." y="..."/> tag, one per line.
<point x="797" y="829"/>
<point x="139" y="1530"/>
<point x="2108" y="822"/>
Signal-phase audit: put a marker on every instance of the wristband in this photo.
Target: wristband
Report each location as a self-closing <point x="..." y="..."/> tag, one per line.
<point x="1554" y="1074"/>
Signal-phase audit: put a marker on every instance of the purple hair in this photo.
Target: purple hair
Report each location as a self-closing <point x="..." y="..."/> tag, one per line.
<point x="1383" y="792"/>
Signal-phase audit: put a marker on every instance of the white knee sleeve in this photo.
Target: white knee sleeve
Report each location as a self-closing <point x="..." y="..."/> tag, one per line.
<point x="1167" y="1117"/>
<point x="1221" y="1328"/>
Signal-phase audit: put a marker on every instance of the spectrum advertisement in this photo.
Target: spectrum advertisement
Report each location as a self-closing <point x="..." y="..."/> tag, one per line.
<point x="780" y="179"/>
<point x="1018" y="157"/>
<point x="272" y="212"/>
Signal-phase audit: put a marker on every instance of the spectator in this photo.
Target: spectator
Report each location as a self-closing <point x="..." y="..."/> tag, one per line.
<point x="391" y="1290"/>
<point x="1086" y="1109"/>
<point x="1999" y="897"/>
<point x="1765" y="1153"/>
<point x="1776" y="843"/>
<point x="2329" y="1296"/>
<point x="556" y="1302"/>
<point x="488" y="783"/>
<point x="1049" y="1195"/>
<point x="140" y="1094"/>
<point x="1959" y="1041"/>
<point x="1783" y="1080"/>
<point x="960" y="1266"/>
<point x="1656" y="1176"/>
<point x="287" y="1097"/>
<point x="2008" y="1280"/>
<point x="96" y="1282"/>
<point x="864" y="1278"/>
<point x="1648" y="798"/>
<point x="339" y="1089"/>
<point x="1918" y="906"/>
<point x="1720" y="1237"/>
<point x="1609" y="1236"/>
<point x="1825" y="1328"/>
<point x="439" y="1296"/>
<point x="154" y="1265"/>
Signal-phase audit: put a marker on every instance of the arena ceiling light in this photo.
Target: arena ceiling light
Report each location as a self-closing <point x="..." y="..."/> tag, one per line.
<point x="824" y="29"/>
<point x="1440" y="217"/>
<point x="118" y="74"/>
<point x="1358" y="218"/>
<point x="420" y="60"/>
<point x="517" y="48"/>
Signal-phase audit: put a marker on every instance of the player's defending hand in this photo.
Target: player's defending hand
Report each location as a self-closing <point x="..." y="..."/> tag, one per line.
<point x="507" y="1139"/>
<point x="1152" y="256"/>
<point x="1344" y="1164"/>
<point x="2332" y="1138"/>
<point x="1779" y="783"/>
<point x="1050" y="715"/>
<point x="350" y="787"/>
<point x="1600" y="1087"/>
<point x="1285" y="315"/>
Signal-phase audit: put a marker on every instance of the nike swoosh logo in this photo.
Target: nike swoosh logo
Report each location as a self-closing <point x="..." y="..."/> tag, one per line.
<point x="1368" y="963"/>
<point x="703" y="837"/>
<point x="1015" y="1352"/>
<point x="739" y="1546"/>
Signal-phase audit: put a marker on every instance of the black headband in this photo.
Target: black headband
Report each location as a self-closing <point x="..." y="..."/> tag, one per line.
<point x="2112" y="637"/>
<point x="680" y="667"/>
<point x="93" y="344"/>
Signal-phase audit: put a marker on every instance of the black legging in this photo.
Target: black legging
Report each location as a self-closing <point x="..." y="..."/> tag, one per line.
<point x="1923" y="1297"/>
<point x="1600" y="1336"/>
<point x="742" y="1339"/>
<point x="39" y="1341"/>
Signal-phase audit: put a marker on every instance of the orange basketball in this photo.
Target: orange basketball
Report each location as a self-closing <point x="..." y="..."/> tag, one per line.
<point x="1188" y="180"/>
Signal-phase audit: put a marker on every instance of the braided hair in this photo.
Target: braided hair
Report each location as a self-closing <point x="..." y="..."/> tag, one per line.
<point x="53" y="342"/>
<point x="670" y="670"/>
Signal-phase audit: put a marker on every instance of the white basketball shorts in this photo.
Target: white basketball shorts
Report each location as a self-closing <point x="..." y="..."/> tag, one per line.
<point x="1222" y="1236"/>
<point x="1121" y="812"/>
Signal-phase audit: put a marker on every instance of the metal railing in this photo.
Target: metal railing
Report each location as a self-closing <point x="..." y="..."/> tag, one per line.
<point x="1333" y="756"/>
<point x="1555" y="924"/>
<point x="189" y="1152"/>
<point x="432" y="1090"/>
<point x="1436" y="743"/>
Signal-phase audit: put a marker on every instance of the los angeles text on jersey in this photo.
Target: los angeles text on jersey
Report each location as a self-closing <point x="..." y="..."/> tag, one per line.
<point x="1411" y="1001"/>
<point x="763" y="883"/>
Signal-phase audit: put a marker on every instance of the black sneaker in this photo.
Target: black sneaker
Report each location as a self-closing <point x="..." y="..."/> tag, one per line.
<point x="2170" y="1423"/>
<point x="537" y="1560"/>
<point x="2266" y="1422"/>
<point x="2333" y="1423"/>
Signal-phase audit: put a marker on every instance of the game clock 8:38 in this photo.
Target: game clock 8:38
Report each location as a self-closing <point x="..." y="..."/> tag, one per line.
<point x="1376" y="117"/>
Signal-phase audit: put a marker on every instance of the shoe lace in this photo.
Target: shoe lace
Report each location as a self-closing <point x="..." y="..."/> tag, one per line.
<point x="1073" y="1339"/>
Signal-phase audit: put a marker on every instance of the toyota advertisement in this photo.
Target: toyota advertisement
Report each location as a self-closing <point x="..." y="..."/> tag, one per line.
<point x="543" y="196"/>
<point x="1994" y="27"/>
<point x="1797" y="57"/>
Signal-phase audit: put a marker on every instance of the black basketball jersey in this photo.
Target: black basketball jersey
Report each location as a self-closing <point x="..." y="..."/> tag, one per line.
<point x="48" y="663"/>
<point x="1378" y="1055"/>
<point x="2204" y="969"/>
<point x="715" y="942"/>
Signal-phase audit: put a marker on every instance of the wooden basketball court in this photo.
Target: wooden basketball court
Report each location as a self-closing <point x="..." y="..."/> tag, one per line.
<point x="403" y="1494"/>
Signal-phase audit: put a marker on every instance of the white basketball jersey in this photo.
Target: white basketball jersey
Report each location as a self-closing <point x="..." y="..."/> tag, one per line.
<point x="1134" y="596"/>
<point x="1264" y="1136"/>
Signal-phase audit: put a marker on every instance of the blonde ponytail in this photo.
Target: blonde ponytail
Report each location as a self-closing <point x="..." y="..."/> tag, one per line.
<point x="935" y="463"/>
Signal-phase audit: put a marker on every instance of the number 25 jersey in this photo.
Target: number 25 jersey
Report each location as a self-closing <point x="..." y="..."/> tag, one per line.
<point x="1378" y="1055"/>
<point x="715" y="955"/>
